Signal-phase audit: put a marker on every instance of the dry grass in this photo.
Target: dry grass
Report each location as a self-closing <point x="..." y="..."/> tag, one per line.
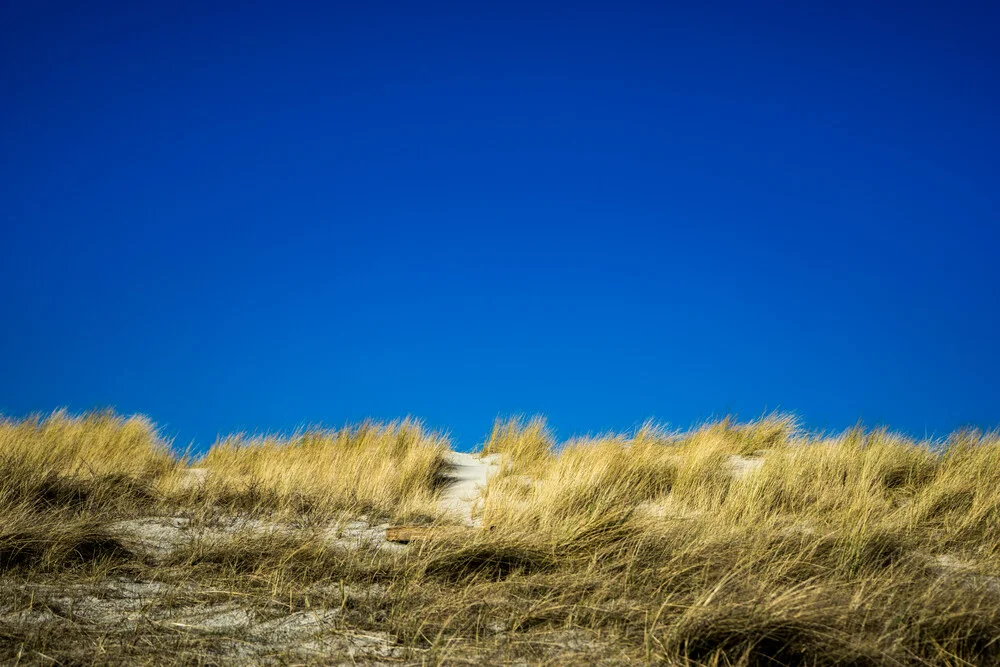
<point x="392" y="469"/>
<point x="731" y="544"/>
<point x="528" y="447"/>
<point x="96" y="446"/>
<point x="63" y="478"/>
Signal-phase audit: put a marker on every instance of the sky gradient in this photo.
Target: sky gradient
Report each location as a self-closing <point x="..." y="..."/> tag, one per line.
<point x="255" y="217"/>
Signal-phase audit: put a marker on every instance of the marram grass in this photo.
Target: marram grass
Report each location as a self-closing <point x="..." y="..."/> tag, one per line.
<point x="730" y="544"/>
<point x="391" y="468"/>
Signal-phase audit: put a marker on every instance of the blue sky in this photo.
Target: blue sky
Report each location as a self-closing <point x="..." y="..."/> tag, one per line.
<point x="253" y="217"/>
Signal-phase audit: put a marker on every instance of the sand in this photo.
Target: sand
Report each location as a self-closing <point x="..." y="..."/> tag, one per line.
<point x="469" y="474"/>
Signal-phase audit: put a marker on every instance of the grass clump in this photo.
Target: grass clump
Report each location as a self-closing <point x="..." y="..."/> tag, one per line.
<point x="390" y="469"/>
<point x="92" y="445"/>
<point x="46" y="542"/>
<point x="64" y="478"/>
<point x="526" y="445"/>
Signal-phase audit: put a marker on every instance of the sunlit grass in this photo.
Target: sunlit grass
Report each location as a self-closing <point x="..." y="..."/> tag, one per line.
<point x="392" y="469"/>
<point x="753" y="543"/>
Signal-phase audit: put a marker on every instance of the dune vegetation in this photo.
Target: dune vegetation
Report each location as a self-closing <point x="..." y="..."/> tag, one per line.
<point x="390" y="469"/>
<point x="728" y="544"/>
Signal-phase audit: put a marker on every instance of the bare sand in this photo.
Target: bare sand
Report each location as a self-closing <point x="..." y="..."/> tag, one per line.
<point x="469" y="474"/>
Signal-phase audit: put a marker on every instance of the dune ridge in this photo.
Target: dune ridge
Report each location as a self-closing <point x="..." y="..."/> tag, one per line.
<point x="728" y="544"/>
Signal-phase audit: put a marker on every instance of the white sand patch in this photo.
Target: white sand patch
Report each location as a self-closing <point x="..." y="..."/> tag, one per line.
<point x="292" y="626"/>
<point x="157" y="535"/>
<point x="224" y="617"/>
<point x="469" y="474"/>
<point x="741" y="466"/>
<point x="964" y="573"/>
<point x="196" y="475"/>
<point x="360" y="533"/>
<point x="350" y="648"/>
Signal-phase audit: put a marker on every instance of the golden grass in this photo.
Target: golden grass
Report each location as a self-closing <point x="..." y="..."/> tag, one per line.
<point x="527" y="446"/>
<point x="99" y="463"/>
<point x="737" y="473"/>
<point x="393" y="469"/>
<point x="95" y="444"/>
<point x="763" y="540"/>
<point x="731" y="544"/>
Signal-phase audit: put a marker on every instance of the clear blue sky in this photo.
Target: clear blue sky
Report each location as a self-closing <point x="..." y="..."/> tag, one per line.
<point x="255" y="216"/>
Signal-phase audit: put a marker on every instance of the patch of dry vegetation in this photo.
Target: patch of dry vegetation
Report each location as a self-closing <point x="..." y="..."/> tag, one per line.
<point x="392" y="469"/>
<point x="752" y="543"/>
<point x="62" y="479"/>
<point x="731" y="544"/>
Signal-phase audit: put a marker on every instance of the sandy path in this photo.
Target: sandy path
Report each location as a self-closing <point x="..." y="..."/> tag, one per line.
<point x="469" y="475"/>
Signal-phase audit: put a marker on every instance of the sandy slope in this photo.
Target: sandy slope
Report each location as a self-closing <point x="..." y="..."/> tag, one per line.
<point x="469" y="474"/>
